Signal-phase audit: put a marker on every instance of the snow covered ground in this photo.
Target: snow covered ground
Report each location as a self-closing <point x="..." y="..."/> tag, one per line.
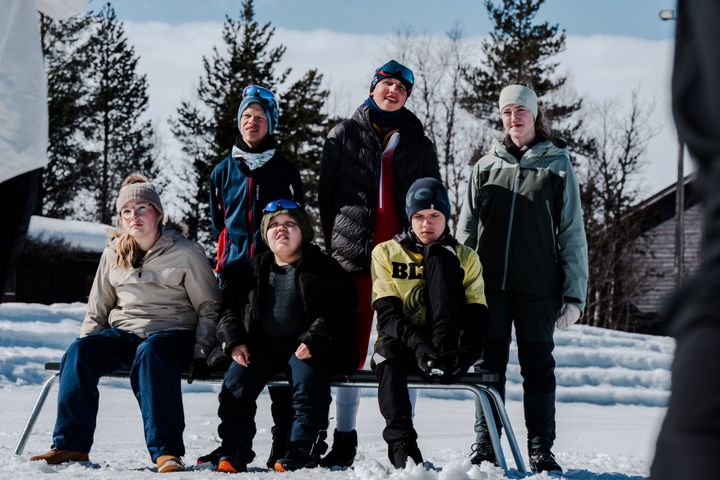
<point x="612" y="389"/>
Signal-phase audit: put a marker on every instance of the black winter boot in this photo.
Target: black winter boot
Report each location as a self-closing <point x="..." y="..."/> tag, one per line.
<point x="400" y="450"/>
<point x="213" y="457"/>
<point x="483" y="452"/>
<point x="279" y="446"/>
<point x="543" y="460"/>
<point x="343" y="450"/>
<point x="298" y="456"/>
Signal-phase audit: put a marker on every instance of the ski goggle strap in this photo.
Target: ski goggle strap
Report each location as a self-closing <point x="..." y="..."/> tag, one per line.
<point x="281" y="204"/>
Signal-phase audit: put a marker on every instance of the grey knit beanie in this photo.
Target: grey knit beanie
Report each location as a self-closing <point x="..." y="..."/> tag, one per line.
<point x="521" y="95"/>
<point x="138" y="188"/>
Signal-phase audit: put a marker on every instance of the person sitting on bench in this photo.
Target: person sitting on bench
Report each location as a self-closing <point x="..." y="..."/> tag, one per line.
<point x="152" y="309"/>
<point x="288" y="310"/>
<point x="431" y="315"/>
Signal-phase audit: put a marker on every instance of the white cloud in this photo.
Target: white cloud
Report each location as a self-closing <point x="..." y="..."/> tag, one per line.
<point x="600" y="67"/>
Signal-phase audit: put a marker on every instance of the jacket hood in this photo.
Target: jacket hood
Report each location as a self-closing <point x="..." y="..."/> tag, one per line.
<point x="168" y="237"/>
<point x="549" y="148"/>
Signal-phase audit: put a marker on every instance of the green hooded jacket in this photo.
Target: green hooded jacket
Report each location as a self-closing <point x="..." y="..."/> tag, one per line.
<point x="525" y="220"/>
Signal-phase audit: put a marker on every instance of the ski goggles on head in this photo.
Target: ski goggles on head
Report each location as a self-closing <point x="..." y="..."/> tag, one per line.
<point x="393" y="69"/>
<point x="262" y="92"/>
<point x="282" y="204"/>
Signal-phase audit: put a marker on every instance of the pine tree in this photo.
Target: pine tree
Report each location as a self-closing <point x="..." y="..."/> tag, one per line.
<point x="120" y="142"/>
<point x="206" y="126"/>
<point x="521" y="51"/>
<point x="301" y="134"/>
<point x="66" y="70"/>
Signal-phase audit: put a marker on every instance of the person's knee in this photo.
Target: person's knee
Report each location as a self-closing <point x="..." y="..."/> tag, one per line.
<point x="537" y="366"/>
<point x="81" y="349"/>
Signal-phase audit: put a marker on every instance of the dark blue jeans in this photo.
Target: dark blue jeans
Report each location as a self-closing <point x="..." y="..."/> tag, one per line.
<point x="309" y="383"/>
<point x="155" y="365"/>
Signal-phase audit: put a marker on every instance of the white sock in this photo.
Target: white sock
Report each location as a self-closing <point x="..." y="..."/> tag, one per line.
<point x="347" y="400"/>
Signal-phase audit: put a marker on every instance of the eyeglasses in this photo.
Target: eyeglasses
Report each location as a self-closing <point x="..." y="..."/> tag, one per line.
<point x="140" y="210"/>
<point x="393" y="68"/>
<point x="282" y="204"/>
<point x="257" y="91"/>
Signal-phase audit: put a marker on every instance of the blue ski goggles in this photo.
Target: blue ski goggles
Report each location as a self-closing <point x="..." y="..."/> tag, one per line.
<point x="394" y="69"/>
<point x="282" y="204"/>
<point x="257" y="91"/>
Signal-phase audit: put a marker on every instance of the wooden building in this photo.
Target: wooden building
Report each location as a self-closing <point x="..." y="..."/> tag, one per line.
<point x="656" y="263"/>
<point x="58" y="262"/>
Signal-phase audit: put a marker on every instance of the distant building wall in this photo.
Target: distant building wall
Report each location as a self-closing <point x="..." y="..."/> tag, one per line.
<point x="658" y="262"/>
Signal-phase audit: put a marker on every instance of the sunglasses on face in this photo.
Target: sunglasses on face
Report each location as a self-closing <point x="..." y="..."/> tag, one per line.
<point x="394" y="68"/>
<point x="281" y="204"/>
<point x="256" y="91"/>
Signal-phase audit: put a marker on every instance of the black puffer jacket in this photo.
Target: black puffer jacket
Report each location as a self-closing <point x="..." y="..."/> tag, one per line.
<point x="326" y="294"/>
<point x="350" y="178"/>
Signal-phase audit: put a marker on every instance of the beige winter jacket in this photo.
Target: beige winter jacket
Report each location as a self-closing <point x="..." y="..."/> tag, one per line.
<point x="174" y="288"/>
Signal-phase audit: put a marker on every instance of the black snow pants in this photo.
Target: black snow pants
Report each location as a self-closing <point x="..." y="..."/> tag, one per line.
<point x="534" y="320"/>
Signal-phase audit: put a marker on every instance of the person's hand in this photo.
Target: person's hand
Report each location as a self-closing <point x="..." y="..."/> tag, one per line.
<point x="199" y="370"/>
<point x="423" y="354"/>
<point x="569" y="314"/>
<point x="303" y="352"/>
<point x="240" y="355"/>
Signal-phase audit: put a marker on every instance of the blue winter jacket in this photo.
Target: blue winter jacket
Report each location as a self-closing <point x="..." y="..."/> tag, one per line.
<point x="237" y="197"/>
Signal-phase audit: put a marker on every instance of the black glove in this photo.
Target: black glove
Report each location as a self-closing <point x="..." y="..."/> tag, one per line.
<point x="424" y="353"/>
<point x="199" y="370"/>
<point x="451" y="367"/>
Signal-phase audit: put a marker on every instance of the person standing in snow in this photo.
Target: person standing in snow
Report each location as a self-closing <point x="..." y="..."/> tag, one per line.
<point x="284" y="311"/>
<point x="252" y="175"/>
<point x="428" y="293"/>
<point x="689" y="440"/>
<point x="24" y="118"/>
<point x="152" y="309"/>
<point x="367" y="166"/>
<point x="522" y="214"/>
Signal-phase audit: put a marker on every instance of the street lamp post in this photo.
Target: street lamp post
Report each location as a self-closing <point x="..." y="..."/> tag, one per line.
<point x="666" y="15"/>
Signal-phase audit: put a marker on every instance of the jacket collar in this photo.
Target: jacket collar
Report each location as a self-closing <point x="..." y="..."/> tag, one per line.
<point x="546" y="148"/>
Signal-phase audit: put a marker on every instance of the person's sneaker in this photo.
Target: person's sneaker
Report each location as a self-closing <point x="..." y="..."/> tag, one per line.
<point x="343" y="451"/>
<point x="169" y="463"/>
<point x="483" y="452"/>
<point x="290" y="464"/>
<point x="543" y="460"/>
<point x="231" y="464"/>
<point x="400" y="450"/>
<point x="56" y="456"/>
<point x="278" y="449"/>
<point x="213" y="458"/>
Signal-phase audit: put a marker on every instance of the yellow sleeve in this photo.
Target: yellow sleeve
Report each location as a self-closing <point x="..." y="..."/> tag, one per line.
<point x="473" y="281"/>
<point x="383" y="284"/>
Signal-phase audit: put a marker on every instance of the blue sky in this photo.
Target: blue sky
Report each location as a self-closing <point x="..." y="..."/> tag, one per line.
<point x="637" y="18"/>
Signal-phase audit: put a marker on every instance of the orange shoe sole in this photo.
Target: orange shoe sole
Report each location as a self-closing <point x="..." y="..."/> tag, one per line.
<point x="225" y="466"/>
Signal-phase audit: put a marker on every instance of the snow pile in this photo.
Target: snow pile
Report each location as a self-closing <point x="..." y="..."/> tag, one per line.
<point x="594" y="365"/>
<point x="85" y="236"/>
<point x="611" y="390"/>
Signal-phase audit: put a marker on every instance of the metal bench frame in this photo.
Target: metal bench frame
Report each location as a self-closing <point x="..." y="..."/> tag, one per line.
<point x="473" y="382"/>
